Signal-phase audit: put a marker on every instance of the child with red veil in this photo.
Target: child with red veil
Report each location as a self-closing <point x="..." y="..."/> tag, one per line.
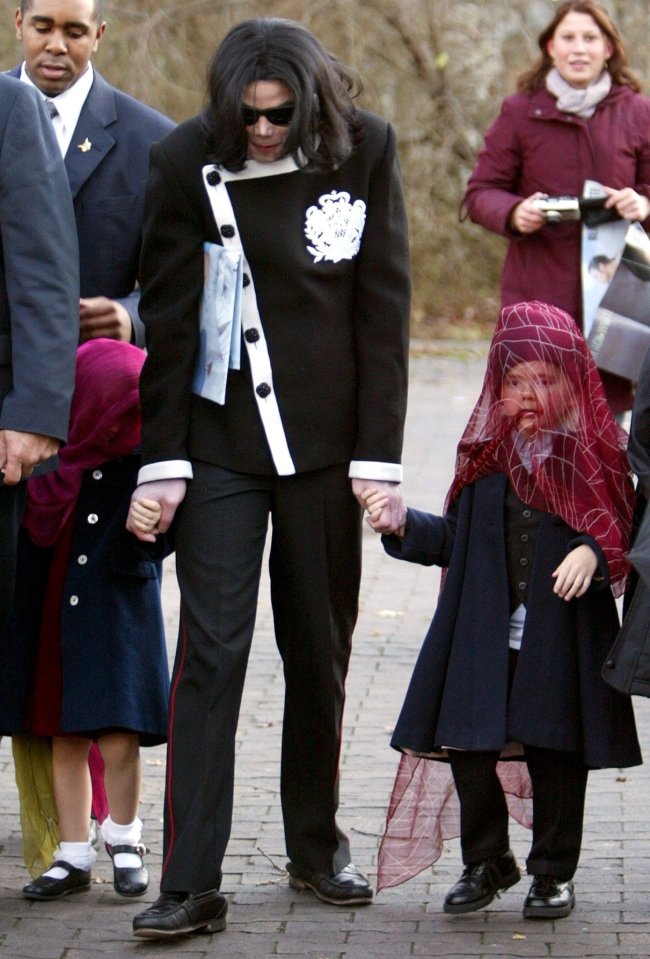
<point x="533" y="542"/>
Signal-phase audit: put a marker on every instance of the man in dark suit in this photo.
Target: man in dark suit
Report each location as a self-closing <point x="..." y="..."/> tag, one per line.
<point x="288" y="180"/>
<point x="105" y="137"/>
<point x="39" y="288"/>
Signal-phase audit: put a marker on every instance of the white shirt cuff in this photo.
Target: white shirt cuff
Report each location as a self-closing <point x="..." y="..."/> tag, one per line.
<point x="367" y="469"/>
<point x="168" y="469"/>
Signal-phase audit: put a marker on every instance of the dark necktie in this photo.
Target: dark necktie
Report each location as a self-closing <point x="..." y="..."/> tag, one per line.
<point x="50" y="106"/>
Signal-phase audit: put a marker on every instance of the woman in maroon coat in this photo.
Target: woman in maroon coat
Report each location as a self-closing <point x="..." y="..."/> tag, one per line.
<point x="578" y="115"/>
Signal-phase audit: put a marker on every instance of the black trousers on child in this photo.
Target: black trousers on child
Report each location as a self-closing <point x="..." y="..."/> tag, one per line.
<point x="559" y="786"/>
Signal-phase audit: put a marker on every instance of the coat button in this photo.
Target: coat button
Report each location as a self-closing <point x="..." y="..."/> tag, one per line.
<point x="526" y="514"/>
<point x="213" y="178"/>
<point x="522" y="586"/>
<point x="245" y="280"/>
<point x="93" y="518"/>
<point x="82" y="560"/>
<point x="524" y="537"/>
<point x="523" y="561"/>
<point x="74" y="600"/>
<point x="252" y="336"/>
<point x="263" y="390"/>
<point x="228" y="231"/>
<point x="610" y="663"/>
<point x="97" y="474"/>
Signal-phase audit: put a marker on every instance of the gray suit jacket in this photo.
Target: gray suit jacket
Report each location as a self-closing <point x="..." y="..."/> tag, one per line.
<point x="39" y="277"/>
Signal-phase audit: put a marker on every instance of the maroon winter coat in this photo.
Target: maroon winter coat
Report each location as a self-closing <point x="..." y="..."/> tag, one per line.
<point x="533" y="146"/>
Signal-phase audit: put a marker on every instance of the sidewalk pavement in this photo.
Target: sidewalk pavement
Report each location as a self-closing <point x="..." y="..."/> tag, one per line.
<point x="268" y="919"/>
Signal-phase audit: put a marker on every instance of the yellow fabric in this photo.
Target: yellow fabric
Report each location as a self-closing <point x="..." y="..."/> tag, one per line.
<point x="38" y="819"/>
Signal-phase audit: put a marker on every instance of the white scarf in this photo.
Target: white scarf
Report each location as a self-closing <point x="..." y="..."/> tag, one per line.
<point x="578" y="100"/>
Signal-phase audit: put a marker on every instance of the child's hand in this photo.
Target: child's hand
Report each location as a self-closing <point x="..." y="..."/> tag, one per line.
<point x="144" y="516"/>
<point x="574" y="574"/>
<point x="375" y="501"/>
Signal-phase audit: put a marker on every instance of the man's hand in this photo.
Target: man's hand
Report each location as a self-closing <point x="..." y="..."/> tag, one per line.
<point x="392" y="515"/>
<point x="574" y="574"/>
<point x="168" y="494"/>
<point x="99" y="316"/>
<point x="21" y="452"/>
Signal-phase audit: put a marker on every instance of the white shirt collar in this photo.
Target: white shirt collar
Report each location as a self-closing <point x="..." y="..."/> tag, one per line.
<point x="69" y="105"/>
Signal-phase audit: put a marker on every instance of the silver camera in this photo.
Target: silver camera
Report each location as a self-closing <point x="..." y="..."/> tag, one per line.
<point x="559" y="208"/>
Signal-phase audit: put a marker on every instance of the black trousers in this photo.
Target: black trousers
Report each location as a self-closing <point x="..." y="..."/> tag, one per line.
<point x="315" y="567"/>
<point x="12" y="501"/>
<point x="559" y="786"/>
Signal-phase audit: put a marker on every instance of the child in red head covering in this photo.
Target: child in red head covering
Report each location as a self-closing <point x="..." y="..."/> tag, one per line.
<point x="533" y="542"/>
<point x="84" y="658"/>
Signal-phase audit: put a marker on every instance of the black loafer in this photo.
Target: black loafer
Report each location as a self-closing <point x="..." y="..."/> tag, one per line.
<point x="177" y="914"/>
<point x="480" y="883"/>
<point x="349" y="887"/>
<point x="129" y="881"/>
<point x="549" y="898"/>
<point x="46" y="887"/>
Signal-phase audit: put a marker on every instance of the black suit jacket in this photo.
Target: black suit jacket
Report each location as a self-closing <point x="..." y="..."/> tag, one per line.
<point x="337" y="330"/>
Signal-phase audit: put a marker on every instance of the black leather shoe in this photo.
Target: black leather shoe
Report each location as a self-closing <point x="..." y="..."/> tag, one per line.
<point x="177" y="914"/>
<point x="349" y="887"/>
<point x="480" y="883"/>
<point x="129" y="881"/>
<point x="45" y="887"/>
<point x="548" y="898"/>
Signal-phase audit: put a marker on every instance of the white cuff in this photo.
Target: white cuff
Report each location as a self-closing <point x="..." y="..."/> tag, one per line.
<point x="167" y="469"/>
<point x="367" y="469"/>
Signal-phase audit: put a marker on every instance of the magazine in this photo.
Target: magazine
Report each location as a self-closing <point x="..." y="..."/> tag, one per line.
<point x="220" y="319"/>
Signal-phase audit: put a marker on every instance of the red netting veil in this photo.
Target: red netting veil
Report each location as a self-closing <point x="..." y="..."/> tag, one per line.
<point x="569" y="456"/>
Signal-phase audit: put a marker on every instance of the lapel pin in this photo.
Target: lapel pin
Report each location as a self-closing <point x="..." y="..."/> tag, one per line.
<point x="85" y="146"/>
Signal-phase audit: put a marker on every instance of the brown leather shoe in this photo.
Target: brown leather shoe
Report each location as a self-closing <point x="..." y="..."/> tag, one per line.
<point x="349" y="887"/>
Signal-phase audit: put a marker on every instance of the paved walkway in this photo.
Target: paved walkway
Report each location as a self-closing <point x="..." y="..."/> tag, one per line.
<point x="267" y="918"/>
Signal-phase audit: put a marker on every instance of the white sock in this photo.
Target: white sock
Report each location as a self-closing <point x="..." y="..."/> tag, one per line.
<point x="127" y="834"/>
<point x="78" y="854"/>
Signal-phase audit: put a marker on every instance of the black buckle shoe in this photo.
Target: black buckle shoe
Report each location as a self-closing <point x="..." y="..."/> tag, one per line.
<point x="46" y="887"/>
<point x="549" y="898"/>
<point x="349" y="887"/>
<point x="177" y="914"/>
<point x="480" y="883"/>
<point x="129" y="881"/>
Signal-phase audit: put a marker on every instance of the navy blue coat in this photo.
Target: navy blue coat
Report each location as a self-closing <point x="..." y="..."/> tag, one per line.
<point x="458" y="696"/>
<point x="108" y="183"/>
<point x="115" y="671"/>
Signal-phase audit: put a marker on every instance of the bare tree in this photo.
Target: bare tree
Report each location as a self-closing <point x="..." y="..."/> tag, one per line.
<point x="437" y="69"/>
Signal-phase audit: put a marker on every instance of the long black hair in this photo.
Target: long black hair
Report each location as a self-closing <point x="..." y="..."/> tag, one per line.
<point x="322" y="130"/>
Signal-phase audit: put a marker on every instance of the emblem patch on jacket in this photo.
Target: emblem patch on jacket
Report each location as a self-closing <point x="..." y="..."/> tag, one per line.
<point x="334" y="227"/>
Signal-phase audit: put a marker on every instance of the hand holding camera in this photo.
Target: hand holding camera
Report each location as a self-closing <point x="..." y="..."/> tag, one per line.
<point x="559" y="208"/>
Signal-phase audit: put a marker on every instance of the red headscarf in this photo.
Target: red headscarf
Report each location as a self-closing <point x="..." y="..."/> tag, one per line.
<point x="104" y="425"/>
<point x="573" y="462"/>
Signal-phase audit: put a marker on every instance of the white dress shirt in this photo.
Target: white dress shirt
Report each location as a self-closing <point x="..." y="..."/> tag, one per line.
<point x="69" y="105"/>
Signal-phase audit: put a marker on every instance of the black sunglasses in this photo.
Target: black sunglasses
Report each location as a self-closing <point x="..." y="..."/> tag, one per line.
<point x="278" y="116"/>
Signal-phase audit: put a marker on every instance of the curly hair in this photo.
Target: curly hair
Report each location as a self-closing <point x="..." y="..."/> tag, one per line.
<point x="98" y="9"/>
